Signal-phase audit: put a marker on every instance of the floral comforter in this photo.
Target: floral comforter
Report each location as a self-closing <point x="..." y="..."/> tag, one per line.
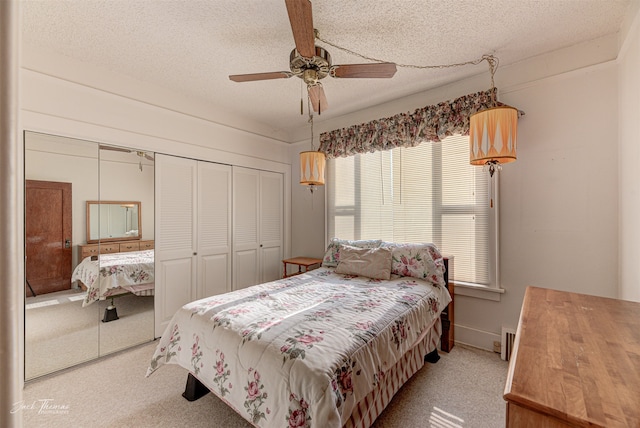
<point x="301" y="351"/>
<point x="112" y="273"/>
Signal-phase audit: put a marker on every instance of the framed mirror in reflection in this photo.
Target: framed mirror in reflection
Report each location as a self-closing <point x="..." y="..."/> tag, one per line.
<point x="109" y="221"/>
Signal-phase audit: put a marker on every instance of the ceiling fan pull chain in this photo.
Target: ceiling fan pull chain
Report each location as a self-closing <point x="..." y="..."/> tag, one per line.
<point x="310" y="121"/>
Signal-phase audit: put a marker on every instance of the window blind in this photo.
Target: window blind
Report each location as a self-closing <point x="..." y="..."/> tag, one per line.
<point x="427" y="193"/>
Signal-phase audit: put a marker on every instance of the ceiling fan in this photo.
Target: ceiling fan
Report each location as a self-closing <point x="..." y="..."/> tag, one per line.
<point x="139" y="153"/>
<point x="312" y="63"/>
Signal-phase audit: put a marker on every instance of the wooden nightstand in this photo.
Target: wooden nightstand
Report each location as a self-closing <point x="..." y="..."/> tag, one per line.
<point x="307" y="262"/>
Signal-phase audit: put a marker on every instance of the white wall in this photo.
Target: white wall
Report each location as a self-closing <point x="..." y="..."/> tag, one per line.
<point x="559" y="201"/>
<point x="558" y="218"/>
<point x="61" y="96"/>
<point x="629" y="161"/>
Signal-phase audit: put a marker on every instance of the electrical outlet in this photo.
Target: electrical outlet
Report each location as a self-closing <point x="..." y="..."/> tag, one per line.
<point x="496" y="346"/>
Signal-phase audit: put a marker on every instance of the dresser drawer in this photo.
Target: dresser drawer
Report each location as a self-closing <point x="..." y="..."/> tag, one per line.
<point x="88" y="250"/>
<point x="92" y="250"/>
<point x="129" y="246"/>
<point x="109" y="248"/>
<point x="146" y="245"/>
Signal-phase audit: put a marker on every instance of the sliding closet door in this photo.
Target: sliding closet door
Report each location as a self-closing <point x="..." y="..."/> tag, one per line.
<point x="214" y="229"/>
<point x="258" y="211"/>
<point x="246" y="240"/>
<point x="271" y="215"/>
<point x="176" y="239"/>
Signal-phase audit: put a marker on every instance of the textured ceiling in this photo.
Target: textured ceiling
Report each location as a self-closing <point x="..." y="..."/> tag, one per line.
<point x="192" y="46"/>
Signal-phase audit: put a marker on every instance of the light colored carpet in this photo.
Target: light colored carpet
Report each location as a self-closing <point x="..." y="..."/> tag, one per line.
<point x="464" y="389"/>
<point x="60" y="333"/>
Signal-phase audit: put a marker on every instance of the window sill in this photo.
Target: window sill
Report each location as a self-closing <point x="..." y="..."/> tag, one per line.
<point x="478" y="291"/>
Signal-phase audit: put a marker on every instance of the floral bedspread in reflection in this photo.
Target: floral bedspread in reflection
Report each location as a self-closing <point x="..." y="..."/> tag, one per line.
<point x="116" y="273"/>
<point x="304" y="350"/>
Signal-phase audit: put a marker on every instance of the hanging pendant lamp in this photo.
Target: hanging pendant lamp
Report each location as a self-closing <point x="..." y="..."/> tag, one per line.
<point x="493" y="137"/>
<point x="312" y="165"/>
<point x="493" y="132"/>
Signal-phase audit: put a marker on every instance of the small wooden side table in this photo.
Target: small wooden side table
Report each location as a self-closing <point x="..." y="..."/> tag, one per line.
<point x="307" y="262"/>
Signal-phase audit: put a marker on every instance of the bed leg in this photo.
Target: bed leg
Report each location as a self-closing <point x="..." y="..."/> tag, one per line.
<point x="194" y="389"/>
<point x="432" y="357"/>
<point x="110" y="313"/>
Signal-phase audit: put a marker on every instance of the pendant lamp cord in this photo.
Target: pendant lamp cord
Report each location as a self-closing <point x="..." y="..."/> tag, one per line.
<point x="491" y="60"/>
<point x="349" y="51"/>
<point x="493" y="66"/>
<point x="312" y="186"/>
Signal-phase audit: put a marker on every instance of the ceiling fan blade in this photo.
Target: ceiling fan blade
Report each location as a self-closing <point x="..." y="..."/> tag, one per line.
<point x="149" y="157"/>
<point x="260" y="76"/>
<point x="318" y="98"/>
<point x="301" y="18"/>
<point x="115" y="149"/>
<point x="372" y="70"/>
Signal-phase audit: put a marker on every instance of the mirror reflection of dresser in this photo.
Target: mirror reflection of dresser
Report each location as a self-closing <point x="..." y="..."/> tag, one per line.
<point x="87" y="250"/>
<point x="113" y="227"/>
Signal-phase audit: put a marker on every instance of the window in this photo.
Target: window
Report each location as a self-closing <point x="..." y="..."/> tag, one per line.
<point x="427" y="193"/>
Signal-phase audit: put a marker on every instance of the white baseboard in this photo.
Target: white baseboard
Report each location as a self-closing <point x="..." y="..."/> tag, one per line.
<point x="474" y="337"/>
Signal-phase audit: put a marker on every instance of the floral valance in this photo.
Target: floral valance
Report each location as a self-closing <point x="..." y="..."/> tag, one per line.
<point x="430" y="123"/>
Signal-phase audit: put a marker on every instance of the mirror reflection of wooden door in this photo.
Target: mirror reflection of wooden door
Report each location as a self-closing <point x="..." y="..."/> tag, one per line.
<point x="48" y="215"/>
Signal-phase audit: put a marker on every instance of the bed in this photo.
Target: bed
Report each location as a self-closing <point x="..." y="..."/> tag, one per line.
<point x="112" y="274"/>
<point x="325" y="348"/>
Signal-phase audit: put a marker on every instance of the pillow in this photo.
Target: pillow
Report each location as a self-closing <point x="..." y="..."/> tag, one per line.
<point x="422" y="261"/>
<point x="370" y="262"/>
<point x="332" y="255"/>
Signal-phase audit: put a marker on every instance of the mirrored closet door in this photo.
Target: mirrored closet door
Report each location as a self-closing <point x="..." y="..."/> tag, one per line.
<point x="126" y="227"/>
<point x="60" y="175"/>
<point x="86" y="295"/>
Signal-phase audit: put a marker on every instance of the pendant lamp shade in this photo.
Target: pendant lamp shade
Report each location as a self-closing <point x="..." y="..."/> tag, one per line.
<point x="493" y="136"/>
<point x="312" y="165"/>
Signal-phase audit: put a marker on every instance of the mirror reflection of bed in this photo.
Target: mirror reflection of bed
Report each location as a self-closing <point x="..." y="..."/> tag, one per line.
<point x="61" y="330"/>
<point x="120" y="276"/>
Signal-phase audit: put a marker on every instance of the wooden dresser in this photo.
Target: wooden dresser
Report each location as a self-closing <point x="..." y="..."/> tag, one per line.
<point x="87" y="250"/>
<point x="576" y="362"/>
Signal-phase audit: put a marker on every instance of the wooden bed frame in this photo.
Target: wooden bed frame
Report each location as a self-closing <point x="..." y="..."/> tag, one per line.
<point x="195" y="389"/>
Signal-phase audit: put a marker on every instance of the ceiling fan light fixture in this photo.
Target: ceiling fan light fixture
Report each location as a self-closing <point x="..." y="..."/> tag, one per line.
<point x="310" y="76"/>
<point x="320" y="62"/>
